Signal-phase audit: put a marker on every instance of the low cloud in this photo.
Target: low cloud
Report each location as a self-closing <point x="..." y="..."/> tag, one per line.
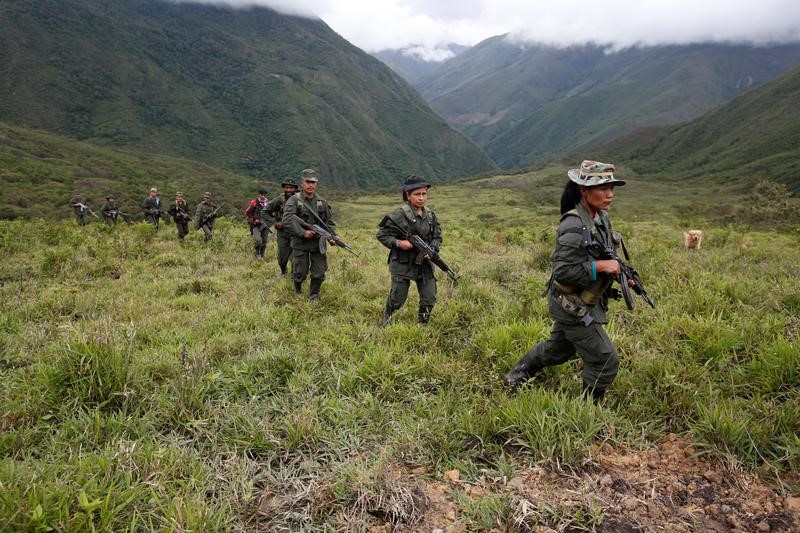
<point x="427" y="26"/>
<point x="431" y="55"/>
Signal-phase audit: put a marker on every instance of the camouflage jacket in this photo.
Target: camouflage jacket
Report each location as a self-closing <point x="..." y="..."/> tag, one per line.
<point x="574" y="261"/>
<point x="110" y="210"/>
<point x="276" y="205"/>
<point x="203" y="211"/>
<point x="303" y="207"/>
<point x="396" y="226"/>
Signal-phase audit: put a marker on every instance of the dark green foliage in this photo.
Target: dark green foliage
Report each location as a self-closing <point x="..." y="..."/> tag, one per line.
<point x="248" y="90"/>
<point x="526" y="103"/>
<point x="750" y="139"/>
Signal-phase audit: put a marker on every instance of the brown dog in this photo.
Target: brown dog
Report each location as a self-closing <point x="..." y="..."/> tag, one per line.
<point x="692" y="239"/>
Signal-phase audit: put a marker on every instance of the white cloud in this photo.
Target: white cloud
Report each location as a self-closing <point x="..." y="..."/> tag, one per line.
<point x="429" y="24"/>
<point x="431" y="55"/>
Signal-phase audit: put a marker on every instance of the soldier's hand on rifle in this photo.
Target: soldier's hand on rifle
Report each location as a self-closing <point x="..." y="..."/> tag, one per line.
<point x="332" y="242"/>
<point x="279" y="225"/>
<point x="308" y="234"/>
<point x="258" y="222"/>
<point x="608" y="266"/>
<point x="404" y="244"/>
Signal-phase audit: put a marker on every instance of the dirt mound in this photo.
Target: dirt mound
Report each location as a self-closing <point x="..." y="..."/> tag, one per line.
<point x="666" y="488"/>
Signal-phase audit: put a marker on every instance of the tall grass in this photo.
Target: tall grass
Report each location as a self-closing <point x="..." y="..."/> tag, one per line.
<point x="152" y="384"/>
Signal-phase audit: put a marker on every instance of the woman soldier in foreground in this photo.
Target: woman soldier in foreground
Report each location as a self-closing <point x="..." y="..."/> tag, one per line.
<point x="580" y="284"/>
<point x="405" y="262"/>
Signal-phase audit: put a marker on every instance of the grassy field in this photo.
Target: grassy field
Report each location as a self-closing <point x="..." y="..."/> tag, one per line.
<point x="149" y="384"/>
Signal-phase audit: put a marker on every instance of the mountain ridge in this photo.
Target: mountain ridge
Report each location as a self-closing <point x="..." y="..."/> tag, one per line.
<point x="251" y="90"/>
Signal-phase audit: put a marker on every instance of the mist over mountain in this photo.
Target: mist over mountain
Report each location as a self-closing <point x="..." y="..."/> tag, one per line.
<point x="248" y="90"/>
<point x="753" y="137"/>
<point x="525" y="103"/>
<point x="416" y="62"/>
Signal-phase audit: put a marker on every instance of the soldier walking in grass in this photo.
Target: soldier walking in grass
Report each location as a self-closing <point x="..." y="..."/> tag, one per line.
<point x="308" y="253"/>
<point x="110" y="211"/>
<point x="580" y="284"/>
<point x="406" y="263"/>
<point x="80" y="209"/>
<point x="179" y="212"/>
<point x="284" y="237"/>
<point x="152" y="207"/>
<point x="205" y="215"/>
<point x="259" y="220"/>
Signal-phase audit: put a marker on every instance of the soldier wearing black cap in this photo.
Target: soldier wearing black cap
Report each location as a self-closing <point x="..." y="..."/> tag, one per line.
<point x="260" y="220"/>
<point x="284" y="237"/>
<point x="406" y="264"/>
<point x="308" y="254"/>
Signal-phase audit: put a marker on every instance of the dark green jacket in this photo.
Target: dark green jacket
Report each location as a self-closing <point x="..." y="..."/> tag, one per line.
<point x="573" y="260"/>
<point x="404" y="262"/>
<point x="299" y="205"/>
<point x="152" y="206"/>
<point x="179" y="212"/>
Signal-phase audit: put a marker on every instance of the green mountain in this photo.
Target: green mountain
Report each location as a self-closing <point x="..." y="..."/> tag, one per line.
<point x="249" y="90"/>
<point x="40" y="171"/>
<point x="753" y="137"/>
<point x="526" y="103"/>
<point x="409" y="63"/>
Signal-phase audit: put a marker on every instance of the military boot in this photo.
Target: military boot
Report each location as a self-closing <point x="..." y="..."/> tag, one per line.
<point x="298" y="288"/>
<point x="388" y="310"/>
<point x="522" y="372"/>
<point x="313" y="292"/>
<point x="594" y="393"/>
<point x="424" y="315"/>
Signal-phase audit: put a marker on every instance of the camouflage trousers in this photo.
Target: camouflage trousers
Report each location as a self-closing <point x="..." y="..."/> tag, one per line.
<point x="208" y="229"/>
<point x="590" y="343"/>
<point x="284" y="249"/>
<point x="305" y="260"/>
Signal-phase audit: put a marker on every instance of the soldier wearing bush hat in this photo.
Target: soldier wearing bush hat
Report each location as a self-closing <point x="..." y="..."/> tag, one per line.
<point x="308" y="253"/>
<point x="580" y="284"/>
<point x="179" y="211"/>
<point x="203" y="216"/>
<point x="284" y="237"/>
<point x="405" y="263"/>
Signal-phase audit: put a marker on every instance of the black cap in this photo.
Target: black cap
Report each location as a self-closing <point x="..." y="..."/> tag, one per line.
<point x="288" y="181"/>
<point x="414" y="182"/>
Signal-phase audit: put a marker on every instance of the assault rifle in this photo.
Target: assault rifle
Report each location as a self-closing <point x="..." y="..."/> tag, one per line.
<point x="205" y="220"/>
<point x="426" y="249"/>
<point x="85" y="207"/>
<point x="184" y="215"/>
<point x="114" y="213"/>
<point x="627" y="272"/>
<point x="325" y="235"/>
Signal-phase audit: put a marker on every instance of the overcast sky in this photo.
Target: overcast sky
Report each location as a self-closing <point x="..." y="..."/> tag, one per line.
<point x="379" y="24"/>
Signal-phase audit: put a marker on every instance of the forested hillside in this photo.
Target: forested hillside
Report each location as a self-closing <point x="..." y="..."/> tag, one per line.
<point x="525" y="103"/>
<point x="249" y="90"/>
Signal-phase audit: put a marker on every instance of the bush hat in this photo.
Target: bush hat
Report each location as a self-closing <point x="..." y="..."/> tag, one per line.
<point x="414" y="182"/>
<point x="288" y="181"/>
<point x="594" y="173"/>
<point x="309" y="174"/>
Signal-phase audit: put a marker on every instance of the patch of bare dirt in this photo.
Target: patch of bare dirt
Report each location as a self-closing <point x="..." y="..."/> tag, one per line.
<point x="665" y="488"/>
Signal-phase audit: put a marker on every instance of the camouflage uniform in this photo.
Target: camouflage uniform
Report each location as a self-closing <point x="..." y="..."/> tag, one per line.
<point x="179" y="212"/>
<point x="284" y="236"/>
<point x="307" y="253"/>
<point x="80" y="211"/>
<point x="204" y="209"/>
<point x="575" y="281"/>
<point x="406" y="266"/>
<point x="259" y="220"/>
